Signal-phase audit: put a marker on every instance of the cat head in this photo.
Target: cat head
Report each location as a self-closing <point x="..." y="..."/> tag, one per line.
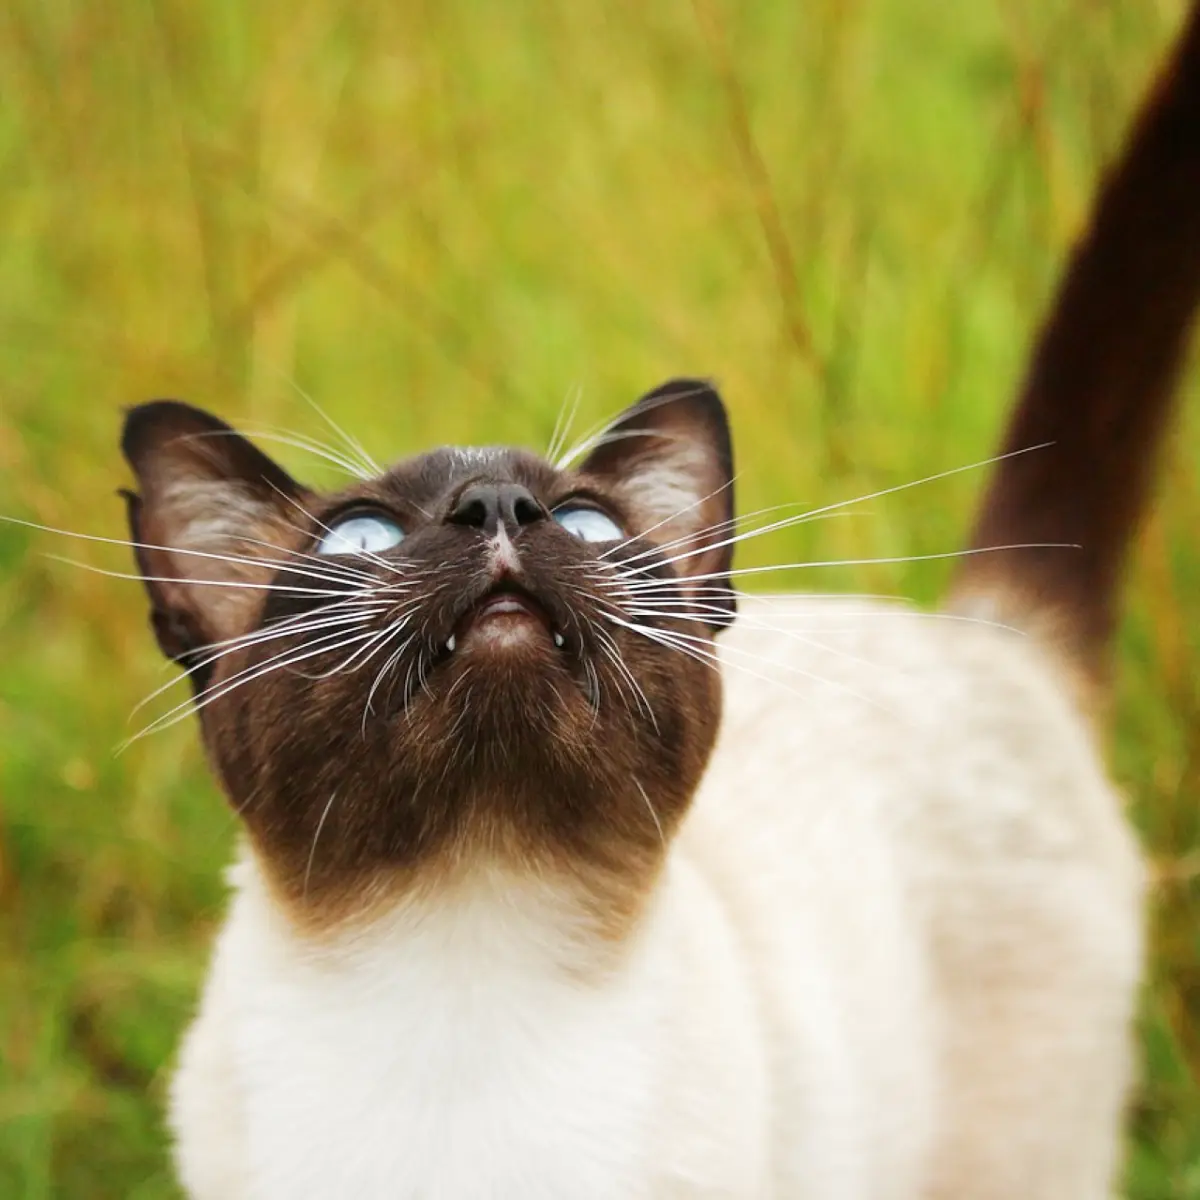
<point x="476" y="655"/>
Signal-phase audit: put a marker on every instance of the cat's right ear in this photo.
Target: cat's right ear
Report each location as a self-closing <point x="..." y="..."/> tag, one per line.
<point x="209" y="509"/>
<point x="669" y="460"/>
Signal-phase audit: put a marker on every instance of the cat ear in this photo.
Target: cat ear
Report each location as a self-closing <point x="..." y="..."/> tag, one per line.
<point x="669" y="461"/>
<point x="210" y="508"/>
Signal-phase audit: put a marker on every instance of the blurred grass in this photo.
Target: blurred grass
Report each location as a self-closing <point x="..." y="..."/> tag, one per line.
<point x="438" y="219"/>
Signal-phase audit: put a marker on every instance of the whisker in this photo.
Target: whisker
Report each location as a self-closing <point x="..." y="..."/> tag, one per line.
<point x="327" y="642"/>
<point x="564" y="421"/>
<point x="298" y="441"/>
<point x="653" y="815"/>
<point x="718" y="526"/>
<point x="313" y="849"/>
<point x="663" y="638"/>
<point x="803" y="519"/>
<point x="702" y="648"/>
<point x="888" y="491"/>
<point x="867" y="562"/>
<point x="594" y="438"/>
<point x="593" y="679"/>
<point x="620" y="435"/>
<point x="205" y="698"/>
<point x="673" y="608"/>
<point x="283" y="589"/>
<point x="389" y="663"/>
<point x="321" y="564"/>
<point x="240" y="585"/>
<point x="351" y="605"/>
<point x="613" y="652"/>
<point x="914" y="483"/>
<point x="236" y="560"/>
<point x="352" y="443"/>
<point x="792" y="635"/>
<point x="379" y="561"/>
<point x="674" y="586"/>
<point x="674" y="516"/>
<point x="370" y="649"/>
<point x="256" y="638"/>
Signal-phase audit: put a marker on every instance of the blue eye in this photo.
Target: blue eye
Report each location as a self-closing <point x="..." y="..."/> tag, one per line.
<point x="588" y="524"/>
<point x="362" y="533"/>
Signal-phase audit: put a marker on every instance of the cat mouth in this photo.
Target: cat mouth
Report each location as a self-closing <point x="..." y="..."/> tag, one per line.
<point x="506" y="615"/>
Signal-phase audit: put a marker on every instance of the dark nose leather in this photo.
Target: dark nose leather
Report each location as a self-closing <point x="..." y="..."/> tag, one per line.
<point x="487" y="505"/>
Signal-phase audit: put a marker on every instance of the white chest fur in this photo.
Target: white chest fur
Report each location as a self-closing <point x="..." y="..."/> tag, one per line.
<point x="457" y="1052"/>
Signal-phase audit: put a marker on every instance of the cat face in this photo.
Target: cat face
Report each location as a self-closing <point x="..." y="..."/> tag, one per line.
<point x="475" y="655"/>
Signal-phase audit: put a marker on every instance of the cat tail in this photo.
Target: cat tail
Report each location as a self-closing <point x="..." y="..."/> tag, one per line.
<point x="1099" y="390"/>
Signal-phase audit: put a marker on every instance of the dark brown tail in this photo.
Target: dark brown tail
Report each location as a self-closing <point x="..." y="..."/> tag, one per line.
<point x="1101" y="383"/>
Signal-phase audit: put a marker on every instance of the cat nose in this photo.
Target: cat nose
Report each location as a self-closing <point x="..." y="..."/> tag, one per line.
<point x="488" y="505"/>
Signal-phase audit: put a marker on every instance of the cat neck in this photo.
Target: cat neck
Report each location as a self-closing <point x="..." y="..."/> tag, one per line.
<point x="482" y="918"/>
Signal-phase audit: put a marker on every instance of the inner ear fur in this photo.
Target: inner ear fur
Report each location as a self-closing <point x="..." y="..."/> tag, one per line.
<point x="669" y="461"/>
<point x="205" y="496"/>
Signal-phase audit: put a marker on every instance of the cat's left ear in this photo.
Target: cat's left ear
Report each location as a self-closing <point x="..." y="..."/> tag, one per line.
<point x="669" y="461"/>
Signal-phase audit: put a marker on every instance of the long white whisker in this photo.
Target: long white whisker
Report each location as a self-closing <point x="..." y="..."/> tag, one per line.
<point x="282" y="588"/>
<point x="236" y="560"/>
<point x="205" y="698"/>
<point x="719" y="526"/>
<point x="313" y="849"/>
<point x="593" y="678"/>
<point x="370" y="649"/>
<point x="598" y="432"/>
<point x="702" y="647"/>
<point x="564" y="421"/>
<point x="828" y="508"/>
<point x="327" y="642"/>
<point x="665" y="638"/>
<point x="298" y="441"/>
<point x="620" y="435"/>
<point x="391" y="568"/>
<point x="792" y="635"/>
<point x="350" y="606"/>
<point x="674" y="585"/>
<point x="360" y="617"/>
<point x="791" y="668"/>
<point x="331" y="565"/>
<point x="867" y="562"/>
<point x="674" y="516"/>
<point x="802" y="519"/>
<point x="613" y="652"/>
<point x="352" y="443"/>
<point x="389" y="663"/>
<point x="653" y="815"/>
<point x="669" y="608"/>
<point x="258" y="638"/>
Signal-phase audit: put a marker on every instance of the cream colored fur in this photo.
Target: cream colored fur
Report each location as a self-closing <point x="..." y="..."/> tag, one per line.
<point x="893" y="957"/>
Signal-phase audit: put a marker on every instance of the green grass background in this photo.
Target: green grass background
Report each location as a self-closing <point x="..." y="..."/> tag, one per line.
<point x="440" y="218"/>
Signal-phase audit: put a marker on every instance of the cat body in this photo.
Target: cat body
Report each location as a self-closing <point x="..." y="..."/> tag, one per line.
<point x="569" y="872"/>
<point x="893" y="954"/>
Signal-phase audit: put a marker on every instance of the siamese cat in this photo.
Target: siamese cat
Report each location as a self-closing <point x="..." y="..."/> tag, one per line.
<point x="570" y="873"/>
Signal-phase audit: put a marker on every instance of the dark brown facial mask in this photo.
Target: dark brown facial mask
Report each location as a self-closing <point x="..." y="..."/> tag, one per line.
<point x="477" y="656"/>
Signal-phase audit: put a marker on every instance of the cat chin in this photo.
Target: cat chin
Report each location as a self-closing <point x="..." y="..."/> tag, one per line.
<point x="505" y="635"/>
<point x="505" y="613"/>
<point x="506" y="673"/>
<point x="506" y="642"/>
<point x="501" y="757"/>
<point x="507" y="639"/>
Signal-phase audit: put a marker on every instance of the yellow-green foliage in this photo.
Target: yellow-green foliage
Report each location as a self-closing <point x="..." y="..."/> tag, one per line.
<point x="440" y="218"/>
